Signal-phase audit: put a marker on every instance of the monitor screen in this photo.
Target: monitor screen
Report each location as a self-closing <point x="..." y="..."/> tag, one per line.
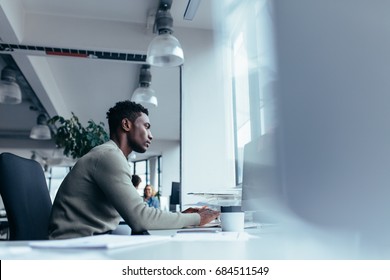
<point x="261" y="187"/>
<point x="175" y="193"/>
<point x="334" y="112"/>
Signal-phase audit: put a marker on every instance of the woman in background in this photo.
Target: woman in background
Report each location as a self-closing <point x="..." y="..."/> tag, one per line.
<point x="149" y="197"/>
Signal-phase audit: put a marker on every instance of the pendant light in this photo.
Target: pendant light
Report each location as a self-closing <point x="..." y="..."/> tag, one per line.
<point x="41" y="131"/>
<point x="10" y="92"/>
<point x="144" y="94"/>
<point x="164" y="50"/>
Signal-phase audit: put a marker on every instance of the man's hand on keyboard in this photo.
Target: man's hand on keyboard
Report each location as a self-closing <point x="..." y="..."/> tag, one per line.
<point x="207" y="215"/>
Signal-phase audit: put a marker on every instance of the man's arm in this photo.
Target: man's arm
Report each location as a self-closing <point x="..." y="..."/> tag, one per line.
<point x="114" y="178"/>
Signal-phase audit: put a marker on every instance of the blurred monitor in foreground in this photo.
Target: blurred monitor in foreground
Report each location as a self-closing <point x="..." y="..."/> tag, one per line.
<point x="334" y="111"/>
<point x="261" y="184"/>
<point x="331" y="84"/>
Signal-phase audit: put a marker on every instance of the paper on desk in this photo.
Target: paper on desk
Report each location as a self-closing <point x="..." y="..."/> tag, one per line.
<point x="213" y="236"/>
<point x="107" y="241"/>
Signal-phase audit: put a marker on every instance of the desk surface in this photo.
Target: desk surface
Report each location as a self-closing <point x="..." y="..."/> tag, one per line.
<point x="169" y="249"/>
<point x="270" y="244"/>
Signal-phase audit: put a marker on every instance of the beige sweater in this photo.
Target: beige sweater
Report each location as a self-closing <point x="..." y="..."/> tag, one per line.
<point x="98" y="191"/>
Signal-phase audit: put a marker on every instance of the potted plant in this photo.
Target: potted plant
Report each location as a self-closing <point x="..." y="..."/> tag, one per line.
<point x="74" y="138"/>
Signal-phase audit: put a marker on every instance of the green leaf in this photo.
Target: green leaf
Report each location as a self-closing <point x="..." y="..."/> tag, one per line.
<point x="76" y="139"/>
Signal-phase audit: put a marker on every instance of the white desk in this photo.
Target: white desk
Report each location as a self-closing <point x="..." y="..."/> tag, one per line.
<point x="271" y="245"/>
<point x="159" y="250"/>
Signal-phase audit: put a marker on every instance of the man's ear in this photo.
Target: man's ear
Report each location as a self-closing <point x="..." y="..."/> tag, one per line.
<point x="126" y="124"/>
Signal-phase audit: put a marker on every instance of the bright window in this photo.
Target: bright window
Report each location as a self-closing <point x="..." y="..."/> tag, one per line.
<point x="142" y="169"/>
<point x="253" y="74"/>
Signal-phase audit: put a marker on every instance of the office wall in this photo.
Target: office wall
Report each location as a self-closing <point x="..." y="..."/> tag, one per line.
<point x="207" y="150"/>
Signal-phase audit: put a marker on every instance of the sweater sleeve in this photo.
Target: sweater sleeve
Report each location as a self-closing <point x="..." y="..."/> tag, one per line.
<point x="113" y="176"/>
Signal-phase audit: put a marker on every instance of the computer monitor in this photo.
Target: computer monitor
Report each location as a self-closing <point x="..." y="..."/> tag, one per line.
<point x="175" y="198"/>
<point x="261" y="187"/>
<point x="334" y="111"/>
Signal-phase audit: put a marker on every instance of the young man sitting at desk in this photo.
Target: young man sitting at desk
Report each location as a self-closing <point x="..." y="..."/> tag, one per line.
<point x="98" y="190"/>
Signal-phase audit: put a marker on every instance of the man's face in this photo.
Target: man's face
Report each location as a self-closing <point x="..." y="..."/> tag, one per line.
<point x="140" y="136"/>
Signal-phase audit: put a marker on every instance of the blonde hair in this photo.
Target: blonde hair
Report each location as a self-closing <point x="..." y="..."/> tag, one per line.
<point x="152" y="189"/>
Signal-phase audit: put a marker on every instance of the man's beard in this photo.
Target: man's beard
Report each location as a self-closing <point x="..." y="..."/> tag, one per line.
<point x="135" y="146"/>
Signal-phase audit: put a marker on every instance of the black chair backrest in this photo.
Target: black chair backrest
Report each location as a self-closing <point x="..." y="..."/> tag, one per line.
<point x="26" y="197"/>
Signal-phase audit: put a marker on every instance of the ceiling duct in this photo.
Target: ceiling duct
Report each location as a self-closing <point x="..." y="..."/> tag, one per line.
<point x="81" y="53"/>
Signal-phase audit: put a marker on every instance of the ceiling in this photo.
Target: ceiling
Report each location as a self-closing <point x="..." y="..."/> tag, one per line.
<point x="88" y="85"/>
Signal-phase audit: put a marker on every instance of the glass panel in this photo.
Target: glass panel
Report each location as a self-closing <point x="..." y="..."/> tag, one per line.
<point x="253" y="74"/>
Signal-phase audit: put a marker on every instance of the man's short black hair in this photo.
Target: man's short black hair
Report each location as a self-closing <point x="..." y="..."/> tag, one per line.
<point x="124" y="109"/>
<point x="136" y="180"/>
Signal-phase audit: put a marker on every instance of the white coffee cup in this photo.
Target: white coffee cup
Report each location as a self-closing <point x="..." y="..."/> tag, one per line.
<point x="232" y="219"/>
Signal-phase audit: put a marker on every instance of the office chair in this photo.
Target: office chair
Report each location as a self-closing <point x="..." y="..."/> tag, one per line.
<point x="26" y="197"/>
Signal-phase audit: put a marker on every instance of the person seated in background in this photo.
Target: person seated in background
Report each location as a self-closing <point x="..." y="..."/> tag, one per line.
<point x="136" y="180"/>
<point x="98" y="190"/>
<point x="149" y="197"/>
